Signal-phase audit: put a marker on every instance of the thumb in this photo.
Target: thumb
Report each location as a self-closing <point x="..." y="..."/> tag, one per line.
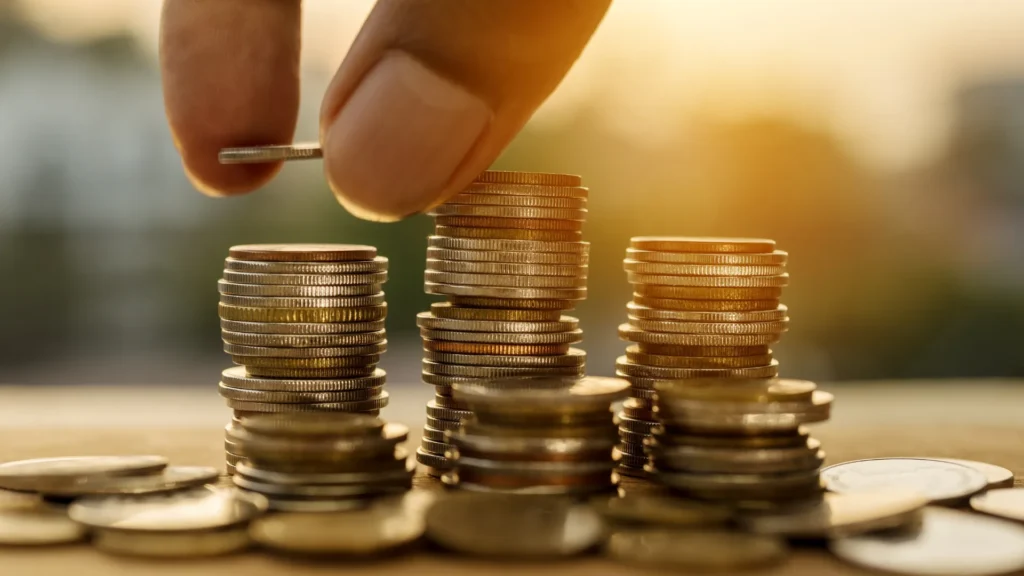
<point x="433" y="90"/>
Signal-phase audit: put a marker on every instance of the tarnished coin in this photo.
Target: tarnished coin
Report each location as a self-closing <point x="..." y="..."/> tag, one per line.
<point x="499" y="223"/>
<point x="27" y="474"/>
<point x="998" y="477"/>
<point x="840" y="515"/>
<point x="701" y="550"/>
<point x="206" y="508"/>
<point x="776" y="258"/>
<point x="702" y="245"/>
<point x="1005" y="502"/>
<point x="304" y="341"/>
<point x="508" y="245"/>
<point x="373" y="530"/>
<point x="634" y="334"/>
<point x="251" y="362"/>
<point x="296" y="291"/>
<point x="197" y="544"/>
<point x="237" y="378"/>
<point x="504" y="268"/>
<point x="315" y="303"/>
<point x="658" y="268"/>
<point x="313" y="425"/>
<point x="565" y="337"/>
<point x="508" y="234"/>
<point x="660" y="510"/>
<point x="508" y="212"/>
<point x="289" y="397"/>
<point x="275" y="153"/>
<point x="378" y="264"/>
<point x="303" y="315"/>
<point x="476" y="197"/>
<point x="366" y="406"/>
<point x="537" y="182"/>
<point x="511" y="303"/>
<point x="573" y="358"/>
<point x="305" y="353"/>
<point x="447" y="311"/>
<point x="497" y="349"/>
<point x="166" y="480"/>
<point x="939" y="481"/>
<point x="505" y="292"/>
<point x="428" y="321"/>
<point x="358" y="282"/>
<point x="513" y="526"/>
<point x="716" y="293"/>
<point x="303" y="252"/>
<point x="38" y="526"/>
<point x="948" y="543"/>
<point x="301" y="329"/>
<point x="499" y="372"/>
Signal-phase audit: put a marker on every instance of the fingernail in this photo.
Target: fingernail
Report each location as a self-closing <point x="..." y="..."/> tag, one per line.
<point x="399" y="138"/>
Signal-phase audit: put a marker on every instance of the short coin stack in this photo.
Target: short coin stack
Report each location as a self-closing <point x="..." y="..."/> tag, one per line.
<point x="305" y="322"/>
<point x="701" y="308"/>
<point x="320" y="462"/>
<point x="508" y="256"/>
<point x="536" y="437"/>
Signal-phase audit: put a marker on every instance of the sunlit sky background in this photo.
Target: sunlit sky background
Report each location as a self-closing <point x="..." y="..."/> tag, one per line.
<point x="881" y="73"/>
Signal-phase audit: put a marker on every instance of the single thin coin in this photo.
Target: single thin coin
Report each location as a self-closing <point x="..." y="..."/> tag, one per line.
<point x="533" y="448"/>
<point x="938" y="480"/>
<point x="514" y="303"/>
<point x="728" y="390"/>
<point x="709" y="281"/>
<point x="448" y="311"/>
<point x="301" y="329"/>
<point x="523" y="224"/>
<point x="274" y="153"/>
<point x="508" y="245"/>
<point x="948" y="543"/>
<point x="591" y="392"/>
<point x="566" y="337"/>
<point x="290" y="397"/>
<point x="478" y="198"/>
<point x="166" y="480"/>
<point x="449" y="402"/>
<point x="841" y="515"/>
<point x="626" y="369"/>
<point x="199" y="544"/>
<point x="303" y="252"/>
<point x="356" y="281"/>
<point x="236" y="377"/>
<point x="573" y="358"/>
<point x="677" y="327"/>
<point x="635" y="311"/>
<point x="332" y="362"/>
<point x="437" y="447"/>
<point x="395" y="471"/>
<point x="776" y="258"/>
<point x="639" y="409"/>
<point x="313" y="341"/>
<point x="296" y="291"/>
<point x="671" y="408"/>
<point x="733" y="461"/>
<point x="695" y="305"/>
<point x="333" y="352"/>
<point x="26" y="474"/>
<point x="658" y="268"/>
<point x="633" y="334"/>
<point x="282" y="302"/>
<point x="365" y="406"/>
<point x="705" y="293"/>
<point x="322" y="491"/>
<point x="504" y="268"/>
<point x="313" y="425"/>
<point x="505" y="280"/>
<point x="205" y="508"/>
<point x="345" y="372"/>
<point x="1005" y="502"/>
<point x="38" y="526"/>
<point x="535" y="189"/>
<point x="508" y="257"/>
<point x="497" y="349"/>
<point x="435" y="411"/>
<point x="428" y="321"/>
<point x="499" y="372"/>
<point x="508" y="212"/>
<point x="699" y="351"/>
<point x="513" y="526"/>
<point x="528" y="178"/>
<point x="369" y="531"/>
<point x="435" y="434"/>
<point x="644" y="427"/>
<point x="702" y="244"/>
<point x="661" y="361"/>
<point x="695" y="550"/>
<point x="998" y="477"/>
<point x="523" y="295"/>
<point x="508" y="234"/>
<point x="436" y="464"/>
<point x="378" y="264"/>
<point x="660" y="510"/>
<point x="786" y="486"/>
<point x="289" y="315"/>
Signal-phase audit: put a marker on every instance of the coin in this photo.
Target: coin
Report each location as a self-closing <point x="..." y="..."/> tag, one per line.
<point x="166" y="480"/>
<point x="447" y="311"/>
<point x="737" y="461"/>
<point x="509" y="245"/>
<point x="573" y="358"/>
<point x="702" y="245"/>
<point x="333" y="362"/>
<point x="38" y="526"/>
<point x="590" y="392"/>
<point x="636" y="311"/>
<point x="313" y="425"/>
<point x="236" y="377"/>
<point x="316" y="505"/>
<point x="504" y="268"/>
<point x="677" y="327"/>
<point x="532" y="448"/>
<point x="199" y="544"/>
<point x="635" y="425"/>
<point x="508" y="234"/>
<point x="755" y="390"/>
<point x="506" y="280"/>
<point x="687" y="550"/>
<point x="783" y="486"/>
<point x="937" y="480"/>
<point x="508" y="212"/>
<point x="483" y="198"/>
<point x="370" y="531"/>
<point x="949" y="542"/>
<point x="514" y="303"/>
<point x="435" y="411"/>
<point x="1004" y="502"/>
<point x="626" y="369"/>
<point x="795" y="438"/>
<point x="697" y="305"/>
<point x="428" y="321"/>
<point x="321" y="491"/>
<point x="276" y="153"/>
<point x="295" y="291"/>
<point x="513" y="526"/>
<point x="26" y="474"/>
<point x="378" y="264"/>
<point x="507" y="258"/>
<point x="700" y="351"/>
<point x="841" y="515"/>
<point x="304" y="315"/>
<point x="436" y="464"/>
<point x="709" y="281"/>
<point x="441" y="424"/>
<point x="303" y="252"/>
<point x="658" y="268"/>
<point x="998" y="477"/>
<point x="660" y="510"/>
<point x="301" y="329"/>
<point x="357" y="282"/>
<point x="498" y="372"/>
<point x="372" y="404"/>
<point x="776" y="258"/>
<point x="205" y="508"/>
<point x="448" y="402"/>
<point x="282" y="302"/>
<point x="564" y="337"/>
<point x="705" y="293"/>
<point x="634" y="356"/>
<point x="314" y="373"/>
<point x="11" y="500"/>
<point x="493" y="223"/>
<point x="496" y="349"/>
<point x="395" y="471"/>
<point x="312" y="341"/>
<point x="289" y="397"/>
<point x="305" y="353"/>
<point x="528" y="178"/>
<point x="523" y="295"/>
<point x="633" y="334"/>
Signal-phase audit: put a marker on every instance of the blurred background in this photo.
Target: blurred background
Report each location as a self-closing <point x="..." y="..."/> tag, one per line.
<point x="880" y="143"/>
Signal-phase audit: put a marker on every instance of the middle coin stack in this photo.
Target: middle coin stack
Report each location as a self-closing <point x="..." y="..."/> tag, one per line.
<point x="508" y="256"/>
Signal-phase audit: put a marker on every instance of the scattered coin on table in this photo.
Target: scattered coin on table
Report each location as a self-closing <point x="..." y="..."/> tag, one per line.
<point x="704" y="550"/>
<point x="940" y="481"/>
<point x="41" y="525"/>
<point x="27" y="474"/>
<point x="1005" y="502"/>
<point x="842" y="515"/>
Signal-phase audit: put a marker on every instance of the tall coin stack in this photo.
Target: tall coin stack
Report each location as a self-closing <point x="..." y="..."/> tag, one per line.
<point x="508" y="255"/>
<point x="701" y="308"/>
<point x="305" y="324"/>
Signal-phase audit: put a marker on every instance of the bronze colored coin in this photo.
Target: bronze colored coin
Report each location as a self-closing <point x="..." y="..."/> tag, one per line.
<point x="446" y="381"/>
<point x="709" y="281"/>
<point x="301" y="329"/>
<point x="313" y="425"/>
<point x="639" y="409"/>
<point x="684" y="305"/>
<point x="512" y="303"/>
<point x="355" y="406"/>
<point x="304" y="341"/>
<point x="682" y="327"/>
<point x="524" y="295"/>
<point x="504" y="269"/>
<point x="363" y="450"/>
<point x="448" y="311"/>
<point x="703" y="270"/>
<point x="640" y="372"/>
<point x="743" y="486"/>
<point x="508" y="245"/>
<point x="435" y="464"/>
<point x="440" y="424"/>
<point x="591" y="393"/>
<point x="291" y="291"/>
<point x="372" y="279"/>
<point x="658" y="361"/>
<point x="275" y="302"/>
<point x="508" y="234"/>
<point x="289" y="397"/>
<point x="435" y="411"/>
<point x="566" y="337"/>
<point x="428" y="321"/>
<point x="508" y="212"/>
<point x="434" y="434"/>
<point x="728" y="390"/>
<point x="842" y="515"/>
<point x="666" y="436"/>
<point x="441" y="448"/>
<point x="26" y="474"/>
<point x="573" y="358"/>
<point x="674" y="408"/>
<point x="506" y="258"/>
<point x="305" y="353"/>
<point x="303" y="252"/>
<point x="314" y="315"/>
<point x="237" y="378"/>
<point x="312" y="373"/>
<point x="702" y="245"/>
<point x="516" y="200"/>
<point x="535" y="448"/>
<point x="776" y="258"/>
<point x="496" y="349"/>
<point x="449" y="402"/>
<point x="498" y="372"/>
<point x="635" y="425"/>
<point x="38" y="526"/>
<point x="171" y="545"/>
<point x="732" y="461"/>
<point x="527" y="178"/>
<point x="638" y="312"/>
<point x="378" y="264"/>
<point x="505" y="280"/>
<point x="633" y="334"/>
<point x="706" y="292"/>
<point x="699" y="351"/>
<point x="704" y="550"/>
<point x="509" y="223"/>
<point x="305" y="363"/>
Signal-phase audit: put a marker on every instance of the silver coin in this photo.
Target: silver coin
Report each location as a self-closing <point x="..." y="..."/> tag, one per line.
<point x="378" y="264"/>
<point x="25" y="474"/>
<point x="201" y="543"/>
<point x="38" y="526"/>
<point x="743" y="461"/>
<point x="300" y="328"/>
<point x="948" y="543"/>
<point x="1005" y="502"/>
<point x="275" y="153"/>
<point x="998" y="477"/>
<point x="703" y="550"/>
<point x="369" y="531"/>
<point x="237" y="377"/>
<point x="295" y="291"/>
<point x="206" y="508"/>
<point x="321" y="491"/>
<point x="840" y="515"/>
<point x="660" y="510"/>
<point x="939" y="481"/>
<point x="313" y="424"/>
<point x="304" y="341"/>
<point x="168" y="479"/>
<point x="396" y="473"/>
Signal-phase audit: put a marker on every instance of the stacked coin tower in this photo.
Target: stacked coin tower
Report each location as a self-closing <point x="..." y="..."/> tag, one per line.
<point x="536" y="437"/>
<point x="507" y="253"/>
<point x="320" y="462"/>
<point x="305" y="322"/>
<point x="701" y="308"/>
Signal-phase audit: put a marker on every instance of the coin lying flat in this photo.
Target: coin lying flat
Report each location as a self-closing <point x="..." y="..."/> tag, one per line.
<point x="427" y="320"/>
<point x="1005" y="502"/>
<point x="303" y="252"/>
<point x="301" y="315"/>
<point x="300" y="329"/>
<point x="776" y="258"/>
<point x="573" y="358"/>
<point x="378" y="264"/>
<point x="513" y="526"/>
<point x="508" y="234"/>
<point x="447" y="310"/>
<point x="660" y="510"/>
<point x="198" y="544"/>
<point x="11" y="500"/>
<point x="841" y="515"/>
<point x="313" y="424"/>
<point x="38" y="526"/>
<point x="295" y="290"/>
<point x="206" y="508"/>
<point x="937" y="480"/>
<point x="275" y="153"/>
<point x="590" y="391"/>
<point x="369" y="531"/>
<point x="998" y="477"/>
<point x="703" y="550"/>
<point x="168" y="479"/>
<point x="25" y="474"/>
<point x="702" y="245"/>
<point x="948" y="543"/>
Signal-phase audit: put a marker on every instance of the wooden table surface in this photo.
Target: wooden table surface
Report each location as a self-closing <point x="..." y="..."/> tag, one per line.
<point x="971" y="419"/>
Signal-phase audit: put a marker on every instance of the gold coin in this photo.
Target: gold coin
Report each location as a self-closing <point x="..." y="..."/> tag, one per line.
<point x="700" y="269"/>
<point x="700" y="244"/>
<point x="573" y="358"/>
<point x="509" y="223"/>
<point x="366" y="532"/>
<point x="303" y="252"/>
<point x="504" y="280"/>
<point x="710" y="281"/>
<point x="256" y="314"/>
<point x="700" y="351"/>
<point x="638" y="409"/>
<point x="657" y="360"/>
<point x="375" y="278"/>
<point x="301" y="329"/>
<point x="559" y="259"/>
<point x="633" y="334"/>
<point x="225" y="287"/>
<point x="705" y="305"/>
<point x="508" y="234"/>
<point x="516" y="200"/>
<point x="449" y="402"/>
<point x="626" y="369"/>
<point x="504" y="268"/>
<point x="567" y="337"/>
<point x="305" y="363"/>
<point x="291" y="397"/>
<point x="378" y="264"/>
<point x="706" y="292"/>
<point x="638" y="312"/>
<point x="281" y="302"/>
<point x="677" y="327"/>
<point x="446" y="310"/>
<point x="439" y="413"/>
<point x="305" y="353"/>
<point x="440" y="369"/>
<point x="429" y="321"/>
<point x="508" y="212"/>
<point x="840" y="515"/>
<point x="530" y="178"/>
<point x="776" y="258"/>
<point x="311" y="373"/>
<point x="39" y="525"/>
<point x="441" y="424"/>
<point x="355" y="406"/>
<point x="304" y="341"/>
<point x="496" y="349"/>
<point x="528" y="191"/>
<point x="507" y="245"/>
<point x="506" y="292"/>
<point x="510" y="303"/>
<point x="704" y="550"/>
<point x="237" y="377"/>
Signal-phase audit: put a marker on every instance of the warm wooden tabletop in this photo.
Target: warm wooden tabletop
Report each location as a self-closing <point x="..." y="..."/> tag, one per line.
<point x="978" y="420"/>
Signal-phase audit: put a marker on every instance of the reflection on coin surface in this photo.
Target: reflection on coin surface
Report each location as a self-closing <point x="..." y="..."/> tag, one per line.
<point x="661" y="510"/>
<point x="23" y="474"/>
<point x="513" y="526"/>
<point x="998" y="477"/>
<point x="11" y="500"/>
<point x="313" y="424"/>
<point x="205" y="508"/>
<point x="202" y="543"/>
<point x="1005" y="502"/>
<point x="170" y="478"/>
<point x="702" y="550"/>
<point x="843" y="515"/>
<point x="38" y="526"/>
<point x="368" y="531"/>
<point x="948" y="543"/>
<point x="274" y="153"/>
<point x="937" y="480"/>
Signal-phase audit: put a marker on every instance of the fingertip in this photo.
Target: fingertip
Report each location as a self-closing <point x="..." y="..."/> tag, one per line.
<point x="217" y="180"/>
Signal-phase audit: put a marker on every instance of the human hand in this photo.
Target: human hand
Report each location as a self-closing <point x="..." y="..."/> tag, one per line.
<point x="428" y="96"/>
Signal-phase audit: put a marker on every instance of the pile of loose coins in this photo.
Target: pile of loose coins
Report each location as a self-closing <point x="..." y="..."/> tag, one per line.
<point x="701" y="308"/>
<point x="536" y="436"/>
<point x="305" y="324"/>
<point x="508" y="256"/>
<point x="320" y="462"/>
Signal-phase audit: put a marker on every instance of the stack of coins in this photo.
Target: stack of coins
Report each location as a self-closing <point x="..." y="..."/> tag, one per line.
<point x="305" y="322"/>
<point x="536" y="437"/>
<point x="701" y="308"/>
<point x="320" y="462"/>
<point x="507" y="253"/>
